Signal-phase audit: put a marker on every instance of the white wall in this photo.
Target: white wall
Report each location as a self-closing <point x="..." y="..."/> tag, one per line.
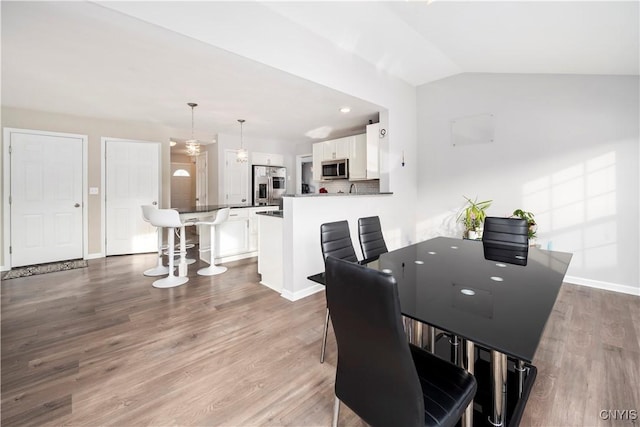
<point x="565" y="148"/>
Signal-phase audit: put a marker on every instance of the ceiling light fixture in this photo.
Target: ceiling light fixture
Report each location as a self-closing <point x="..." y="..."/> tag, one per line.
<point x="345" y="109"/>
<point x="243" y="154"/>
<point x="193" y="146"/>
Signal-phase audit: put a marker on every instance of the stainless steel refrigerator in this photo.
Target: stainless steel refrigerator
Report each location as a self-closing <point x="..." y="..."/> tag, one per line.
<point x="269" y="185"/>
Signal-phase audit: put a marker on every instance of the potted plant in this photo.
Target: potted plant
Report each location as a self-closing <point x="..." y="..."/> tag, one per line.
<point x="533" y="227"/>
<point x="472" y="217"/>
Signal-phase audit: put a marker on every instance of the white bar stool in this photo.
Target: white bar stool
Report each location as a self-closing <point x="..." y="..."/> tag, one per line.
<point x="159" y="269"/>
<point x="170" y="219"/>
<point x="213" y="269"/>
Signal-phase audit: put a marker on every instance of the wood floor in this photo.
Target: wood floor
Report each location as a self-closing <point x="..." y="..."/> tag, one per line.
<point x="100" y="346"/>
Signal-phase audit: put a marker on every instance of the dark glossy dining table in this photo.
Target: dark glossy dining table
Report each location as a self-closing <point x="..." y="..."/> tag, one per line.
<point x="495" y="299"/>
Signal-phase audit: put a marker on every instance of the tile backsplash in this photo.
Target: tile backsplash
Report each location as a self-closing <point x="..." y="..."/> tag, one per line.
<point x="338" y="185"/>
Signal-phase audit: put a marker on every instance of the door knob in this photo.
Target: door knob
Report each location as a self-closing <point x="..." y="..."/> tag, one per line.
<point x="77" y="205"/>
<point x="154" y="203"/>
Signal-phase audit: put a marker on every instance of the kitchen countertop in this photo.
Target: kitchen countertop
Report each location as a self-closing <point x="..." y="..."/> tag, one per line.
<point x="338" y="194"/>
<point x="213" y="208"/>
<point x="276" y="214"/>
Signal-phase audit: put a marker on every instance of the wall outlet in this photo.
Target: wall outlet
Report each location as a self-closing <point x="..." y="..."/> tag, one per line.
<point x="93" y="190"/>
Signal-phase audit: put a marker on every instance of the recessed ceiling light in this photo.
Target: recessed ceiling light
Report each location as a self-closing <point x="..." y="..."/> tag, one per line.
<point x="172" y="143"/>
<point x="345" y="109"/>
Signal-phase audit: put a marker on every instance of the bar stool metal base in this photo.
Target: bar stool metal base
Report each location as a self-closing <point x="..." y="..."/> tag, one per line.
<point x="160" y="270"/>
<point x="212" y="270"/>
<point x="170" y="282"/>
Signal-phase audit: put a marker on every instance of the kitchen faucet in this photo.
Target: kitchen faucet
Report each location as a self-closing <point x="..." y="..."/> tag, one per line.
<point x="353" y="186"/>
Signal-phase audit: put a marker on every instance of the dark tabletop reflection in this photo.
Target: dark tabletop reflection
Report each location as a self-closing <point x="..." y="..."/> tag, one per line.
<point x="454" y="285"/>
<point x="506" y="253"/>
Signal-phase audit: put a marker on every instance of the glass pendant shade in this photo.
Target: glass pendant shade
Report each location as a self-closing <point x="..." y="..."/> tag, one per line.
<point x="242" y="155"/>
<point x="192" y="145"/>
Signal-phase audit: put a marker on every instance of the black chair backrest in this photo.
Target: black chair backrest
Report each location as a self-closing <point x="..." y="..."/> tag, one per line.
<point x="506" y="232"/>
<point x="371" y="238"/>
<point x="375" y="375"/>
<point x="335" y="241"/>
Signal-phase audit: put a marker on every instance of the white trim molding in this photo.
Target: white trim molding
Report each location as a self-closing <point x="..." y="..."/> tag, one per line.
<point x="94" y="256"/>
<point x="302" y="293"/>
<point x="607" y="286"/>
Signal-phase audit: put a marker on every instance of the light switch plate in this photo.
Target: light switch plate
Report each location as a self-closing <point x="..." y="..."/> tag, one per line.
<point x="93" y="190"/>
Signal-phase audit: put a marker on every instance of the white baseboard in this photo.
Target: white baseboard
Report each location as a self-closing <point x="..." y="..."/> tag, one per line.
<point x="222" y="260"/>
<point x="275" y="288"/>
<point x="3" y="268"/>
<point x="94" y="256"/>
<point x="615" y="287"/>
<point x="302" y="293"/>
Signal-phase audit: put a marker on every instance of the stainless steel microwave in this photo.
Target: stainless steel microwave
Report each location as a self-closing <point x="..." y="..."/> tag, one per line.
<point x="335" y="169"/>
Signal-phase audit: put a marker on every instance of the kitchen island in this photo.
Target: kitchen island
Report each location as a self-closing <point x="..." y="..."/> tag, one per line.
<point x="236" y="238"/>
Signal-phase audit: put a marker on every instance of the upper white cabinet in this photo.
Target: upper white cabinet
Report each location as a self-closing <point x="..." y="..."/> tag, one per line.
<point x="318" y="157"/>
<point x="364" y="157"/>
<point x="268" y="159"/>
<point x="358" y="158"/>
<point x="361" y="150"/>
<point x="336" y="148"/>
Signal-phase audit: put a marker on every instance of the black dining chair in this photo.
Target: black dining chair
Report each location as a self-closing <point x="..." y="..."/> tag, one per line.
<point x="385" y="380"/>
<point x="507" y="232"/>
<point x="371" y="239"/>
<point x="335" y="241"/>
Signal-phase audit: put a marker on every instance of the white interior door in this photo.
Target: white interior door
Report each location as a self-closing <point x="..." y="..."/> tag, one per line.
<point x="132" y="180"/>
<point x="236" y="179"/>
<point x="46" y="198"/>
<point x="202" y="180"/>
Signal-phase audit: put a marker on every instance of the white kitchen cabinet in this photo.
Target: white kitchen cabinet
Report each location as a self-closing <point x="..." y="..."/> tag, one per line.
<point x="358" y="158"/>
<point x="232" y="236"/>
<point x="361" y="150"/>
<point x="318" y="156"/>
<point x="364" y="157"/>
<point x="373" y="151"/>
<point x="236" y="238"/>
<point x="254" y="226"/>
<point x="337" y="148"/>
<point x="268" y="159"/>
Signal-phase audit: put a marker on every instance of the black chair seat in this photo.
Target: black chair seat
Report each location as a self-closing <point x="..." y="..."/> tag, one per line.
<point x="444" y="385"/>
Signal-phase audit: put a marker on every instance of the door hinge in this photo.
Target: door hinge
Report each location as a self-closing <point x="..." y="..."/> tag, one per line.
<point x="10" y="250"/>
<point x="10" y="199"/>
<point x="10" y="149"/>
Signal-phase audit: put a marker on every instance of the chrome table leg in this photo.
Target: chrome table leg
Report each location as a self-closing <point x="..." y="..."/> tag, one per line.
<point x="431" y="339"/>
<point x="469" y="365"/>
<point x="521" y="370"/>
<point x="416" y="338"/>
<point x="499" y="387"/>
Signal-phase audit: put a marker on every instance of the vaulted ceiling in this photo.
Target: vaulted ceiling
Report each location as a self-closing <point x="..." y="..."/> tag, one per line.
<point x="143" y="61"/>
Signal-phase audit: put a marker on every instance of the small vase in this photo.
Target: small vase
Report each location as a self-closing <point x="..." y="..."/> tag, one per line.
<point x="472" y="234"/>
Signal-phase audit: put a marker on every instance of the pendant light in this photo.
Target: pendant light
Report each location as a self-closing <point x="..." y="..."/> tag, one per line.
<point x="243" y="154"/>
<point x="193" y="146"/>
